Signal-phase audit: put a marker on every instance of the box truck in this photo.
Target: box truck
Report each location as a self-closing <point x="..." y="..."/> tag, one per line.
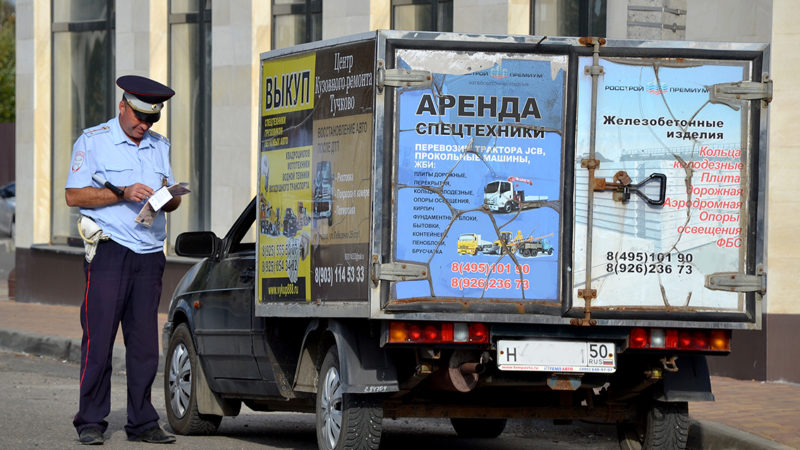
<point x="374" y="313"/>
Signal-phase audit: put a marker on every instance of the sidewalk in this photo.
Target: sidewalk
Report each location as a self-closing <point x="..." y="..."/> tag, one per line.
<point x="51" y="330"/>
<point x="746" y="415"/>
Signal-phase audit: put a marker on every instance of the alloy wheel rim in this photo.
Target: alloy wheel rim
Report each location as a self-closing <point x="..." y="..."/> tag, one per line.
<point x="180" y="380"/>
<point x="331" y="408"/>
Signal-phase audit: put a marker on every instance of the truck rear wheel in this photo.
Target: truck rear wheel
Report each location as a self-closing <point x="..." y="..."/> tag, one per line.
<point x="180" y="387"/>
<point x="478" y="428"/>
<point x="666" y="427"/>
<point x="345" y="421"/>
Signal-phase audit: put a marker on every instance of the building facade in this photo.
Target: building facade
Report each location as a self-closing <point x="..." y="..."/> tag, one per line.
<point x="70" y="52"/>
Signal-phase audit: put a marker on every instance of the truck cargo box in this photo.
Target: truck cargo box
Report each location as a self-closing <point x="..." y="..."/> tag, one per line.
<point x="643" y="163"/>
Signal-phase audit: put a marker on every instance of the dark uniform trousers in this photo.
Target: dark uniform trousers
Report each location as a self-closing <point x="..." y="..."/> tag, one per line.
<point x="121" y="287"/>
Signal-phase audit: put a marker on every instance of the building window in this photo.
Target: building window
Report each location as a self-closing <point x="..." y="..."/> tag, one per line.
<point x="569" y="17"/>
<point x="83" y="92"/>
<point x="190" y="112"/>
<point x="296" y="22"/>
<point x="422" y="15"/>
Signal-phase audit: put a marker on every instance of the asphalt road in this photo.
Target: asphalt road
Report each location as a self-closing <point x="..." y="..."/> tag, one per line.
<point x="39" y="396"/>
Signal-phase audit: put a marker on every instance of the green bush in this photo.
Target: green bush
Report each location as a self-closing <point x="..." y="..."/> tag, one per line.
<point x="8" y="21"/>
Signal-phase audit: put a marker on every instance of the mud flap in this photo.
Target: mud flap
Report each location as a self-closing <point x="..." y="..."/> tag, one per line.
<point x="365" y="368"/>
<point x="208" y="402"/>
<point x="691" y="383"/>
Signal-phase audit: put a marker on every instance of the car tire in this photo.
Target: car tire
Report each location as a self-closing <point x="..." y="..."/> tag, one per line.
<point x="666" y="427"/>
<point x="478" y="428"/>
<point x="180" y="387"/>
<point x="345" y="421"/>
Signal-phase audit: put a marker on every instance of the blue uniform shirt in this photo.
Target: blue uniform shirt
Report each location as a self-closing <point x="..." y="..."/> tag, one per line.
<point x="108" y="151"/>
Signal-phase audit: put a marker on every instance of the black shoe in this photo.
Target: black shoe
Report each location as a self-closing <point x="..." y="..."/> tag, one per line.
<point x="153" y="435"/>
<point x="91" y="436"/>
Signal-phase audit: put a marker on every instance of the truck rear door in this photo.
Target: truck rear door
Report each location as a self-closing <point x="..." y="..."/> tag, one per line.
<point x="487" y="133"/>
<point x="669" y="173"/>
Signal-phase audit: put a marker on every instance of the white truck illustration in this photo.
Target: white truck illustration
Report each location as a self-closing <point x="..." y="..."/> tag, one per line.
<point x="503" y="196"/>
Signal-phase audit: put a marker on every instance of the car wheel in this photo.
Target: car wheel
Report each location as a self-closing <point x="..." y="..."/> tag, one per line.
<point x="180" y="387"/>
<point x="666" y="427"/>
<point x="351" y="421"/>
<point x="478" y="428"/>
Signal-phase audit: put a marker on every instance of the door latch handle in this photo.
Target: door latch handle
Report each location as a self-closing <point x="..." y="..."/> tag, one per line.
<point x="623" y="186"/>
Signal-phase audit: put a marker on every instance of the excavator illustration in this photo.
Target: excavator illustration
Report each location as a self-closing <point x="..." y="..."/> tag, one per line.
<point x="525" y="247"/>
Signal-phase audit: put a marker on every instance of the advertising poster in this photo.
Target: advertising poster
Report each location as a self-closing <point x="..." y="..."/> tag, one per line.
<point x="479" y="175"/>
<point x="660" y="122"/>
<point x="314" y="175"/>
<point x="342" y="171"/>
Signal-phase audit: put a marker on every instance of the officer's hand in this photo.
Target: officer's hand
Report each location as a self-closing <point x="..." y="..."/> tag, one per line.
<point x="137" y="192"/>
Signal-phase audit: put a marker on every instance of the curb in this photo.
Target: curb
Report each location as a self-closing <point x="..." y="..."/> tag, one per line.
<point x="707" y="435"/>
<point x="56" y="347"/>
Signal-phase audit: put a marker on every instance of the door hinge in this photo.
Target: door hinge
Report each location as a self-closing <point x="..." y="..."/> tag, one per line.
<point x="402" y="77"/>
<point x="738" y="282"/>
<point x="399" y="271"/>
<point x="732" y="94"/>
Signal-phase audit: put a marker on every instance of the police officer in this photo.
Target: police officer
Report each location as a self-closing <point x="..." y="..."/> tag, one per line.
<point x="123" y="279"/>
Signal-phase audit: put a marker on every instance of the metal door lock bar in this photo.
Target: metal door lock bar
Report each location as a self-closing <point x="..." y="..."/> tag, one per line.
<point x="622" y="186"/>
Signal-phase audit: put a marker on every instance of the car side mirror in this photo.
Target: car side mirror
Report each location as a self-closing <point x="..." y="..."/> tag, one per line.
<point x="198" y="244"/>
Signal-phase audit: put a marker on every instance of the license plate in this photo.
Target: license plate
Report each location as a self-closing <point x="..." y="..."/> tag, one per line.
<point x="550" y="355"/>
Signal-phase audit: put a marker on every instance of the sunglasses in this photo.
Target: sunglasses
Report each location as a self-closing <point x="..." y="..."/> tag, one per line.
<point x="147" y="118"/>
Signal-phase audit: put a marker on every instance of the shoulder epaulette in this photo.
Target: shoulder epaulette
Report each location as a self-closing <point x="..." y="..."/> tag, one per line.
<point x="96" y="130"/>
<point x="158" y="136"/>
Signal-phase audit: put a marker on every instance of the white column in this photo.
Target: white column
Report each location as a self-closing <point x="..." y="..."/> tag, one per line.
<point x="617" y="19"/>
<point x="783" y="246"/>
<point x="241" y="32"/>
<point x="491" y="16"/>
<point x="729" y="20"/>
<point x="345" y="17"/>
<point x="141" y="44"/>
<point x="33" y="125"/>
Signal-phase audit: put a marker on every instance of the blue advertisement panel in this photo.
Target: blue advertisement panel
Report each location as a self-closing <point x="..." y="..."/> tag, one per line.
<point x="478" y="179"/>
<point x="657" y="119"/>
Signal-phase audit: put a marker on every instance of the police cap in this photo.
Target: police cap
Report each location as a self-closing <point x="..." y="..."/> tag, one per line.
<point x="145" y="96"/>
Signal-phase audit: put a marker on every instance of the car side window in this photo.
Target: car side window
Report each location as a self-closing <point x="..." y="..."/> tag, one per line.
<point x="245" y="241"/>
<point x="249" y="238"/>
